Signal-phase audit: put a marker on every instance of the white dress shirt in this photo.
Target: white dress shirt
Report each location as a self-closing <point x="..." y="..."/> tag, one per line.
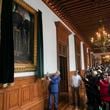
<point x="75" y="80"/>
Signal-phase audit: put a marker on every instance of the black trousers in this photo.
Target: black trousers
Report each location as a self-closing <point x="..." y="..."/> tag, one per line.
<point x="76" y="95"/>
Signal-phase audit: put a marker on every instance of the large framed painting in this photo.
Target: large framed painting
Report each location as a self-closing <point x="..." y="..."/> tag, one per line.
<point x="25" y="36"/>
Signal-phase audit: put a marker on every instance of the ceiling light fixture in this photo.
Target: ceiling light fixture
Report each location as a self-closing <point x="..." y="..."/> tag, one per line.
<point x="101" y="39"/>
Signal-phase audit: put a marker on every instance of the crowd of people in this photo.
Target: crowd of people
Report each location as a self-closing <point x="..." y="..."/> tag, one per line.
<point x="97" y="84"/>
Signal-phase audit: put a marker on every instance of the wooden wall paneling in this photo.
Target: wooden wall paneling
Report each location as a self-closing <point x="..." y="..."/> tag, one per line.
<point x="93" y="59"/>
<point x="34" y="91"/>
<point x="62" y="33"/>
<point x="40" y="89"/>
<point x="12" y="98"/>
<point x="62" y="38"/>
<point x="78" y="53"/>
<point x="26" y="94"/>
<point x="70" y="88"/>
<point x="85" y="56"/>
<point x="45" y="88"/>
<point x="89" y="57"/>
<point x="62" y="55"/>
<point x="1" y="100"/>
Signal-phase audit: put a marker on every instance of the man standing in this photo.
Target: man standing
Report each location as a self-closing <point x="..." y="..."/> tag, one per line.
<point x="75" y="83"/>
<point x="53" y="90"/>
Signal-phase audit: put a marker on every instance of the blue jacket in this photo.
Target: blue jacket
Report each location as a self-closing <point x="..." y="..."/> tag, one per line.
<point x="54" y="84"/>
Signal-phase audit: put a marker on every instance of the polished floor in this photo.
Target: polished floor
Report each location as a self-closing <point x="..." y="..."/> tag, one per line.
<point x="72" y="107"/>
<point x="65" y="105"/>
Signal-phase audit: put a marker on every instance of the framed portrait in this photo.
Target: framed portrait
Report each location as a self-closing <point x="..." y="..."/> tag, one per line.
<point x="25" y="36"/>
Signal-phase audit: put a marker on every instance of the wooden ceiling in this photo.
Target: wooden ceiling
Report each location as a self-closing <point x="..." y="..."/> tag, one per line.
<point x="83" y="16"/>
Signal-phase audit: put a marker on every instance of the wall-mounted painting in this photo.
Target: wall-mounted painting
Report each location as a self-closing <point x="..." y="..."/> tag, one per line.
<point x="25" y="36"/>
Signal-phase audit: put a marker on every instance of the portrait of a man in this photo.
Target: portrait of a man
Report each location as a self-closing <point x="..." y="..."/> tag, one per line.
<point x="23" y="26"/>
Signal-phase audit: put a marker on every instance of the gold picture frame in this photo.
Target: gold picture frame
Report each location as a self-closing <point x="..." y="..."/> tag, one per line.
<point x="25" y="36"/>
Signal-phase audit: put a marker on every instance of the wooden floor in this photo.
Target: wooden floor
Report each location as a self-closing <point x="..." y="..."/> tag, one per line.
<point x="70" y="107"/>
<point x="65" y="105"/>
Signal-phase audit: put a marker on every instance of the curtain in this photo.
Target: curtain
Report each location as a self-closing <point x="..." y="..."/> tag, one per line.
<point x="40" y="67"/>
<point x="6" y="44"/>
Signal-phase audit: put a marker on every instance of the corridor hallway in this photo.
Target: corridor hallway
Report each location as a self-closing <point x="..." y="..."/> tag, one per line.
<point x="48" y="35"/>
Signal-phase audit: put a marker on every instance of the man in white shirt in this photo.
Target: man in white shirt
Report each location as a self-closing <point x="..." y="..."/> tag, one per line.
<point x="75" y="83"/>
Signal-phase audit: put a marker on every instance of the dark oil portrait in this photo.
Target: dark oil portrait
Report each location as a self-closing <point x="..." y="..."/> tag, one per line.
<point x="24" y="22"/>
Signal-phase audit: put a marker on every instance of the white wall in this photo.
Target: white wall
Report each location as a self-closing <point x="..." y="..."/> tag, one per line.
<point x="82" y="56"/>
<point x="72" y="61"/>
<point x="49" y="37"/>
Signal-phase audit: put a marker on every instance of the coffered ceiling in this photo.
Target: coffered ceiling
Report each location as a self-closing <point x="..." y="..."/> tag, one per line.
<point x="83" y="16"/>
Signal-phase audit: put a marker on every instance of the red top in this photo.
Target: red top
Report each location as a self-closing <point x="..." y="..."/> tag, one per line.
<point x="104" y="90"/>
